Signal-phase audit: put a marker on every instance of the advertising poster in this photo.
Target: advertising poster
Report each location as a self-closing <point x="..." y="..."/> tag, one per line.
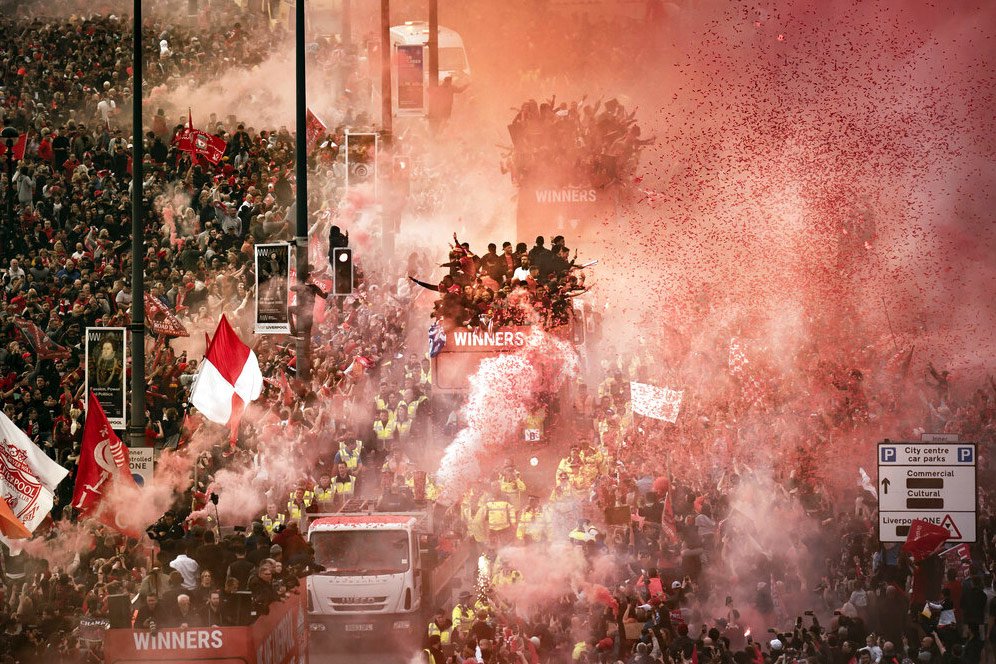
<point x="106" y="371"/>
<point x="272" y="288"/>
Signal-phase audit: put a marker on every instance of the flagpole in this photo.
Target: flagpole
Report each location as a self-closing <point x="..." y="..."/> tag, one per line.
<point x="136" y="421"/>
<point x="304" y="302"/>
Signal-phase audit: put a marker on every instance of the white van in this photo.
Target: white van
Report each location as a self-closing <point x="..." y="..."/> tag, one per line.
<point x="452" y="55"/>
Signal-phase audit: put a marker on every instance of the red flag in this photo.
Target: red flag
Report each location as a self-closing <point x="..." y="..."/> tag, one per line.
<point x="162" y="320"/>
<point x="208" y="146"/>
<point x="924" y="538"/>
<point x="45" y="348"/>
<point x="19" y="147"/>
<point x="695" y="654"/>
<point x="314" y="128"/>
<point x="103" y="459"/>
<point x="184" y="140"/>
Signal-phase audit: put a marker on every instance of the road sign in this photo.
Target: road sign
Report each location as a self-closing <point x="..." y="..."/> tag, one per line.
<point x="932" y="481"/>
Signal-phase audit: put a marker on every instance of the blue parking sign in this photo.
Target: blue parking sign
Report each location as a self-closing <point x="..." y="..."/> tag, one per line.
<point x="888" y="454"/>
<point x="966" y="455"/>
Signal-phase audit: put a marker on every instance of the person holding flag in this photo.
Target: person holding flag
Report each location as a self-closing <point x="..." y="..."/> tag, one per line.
<point x="103" y="462"/>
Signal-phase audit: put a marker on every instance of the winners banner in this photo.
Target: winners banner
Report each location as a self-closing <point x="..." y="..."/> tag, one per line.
<point x="272" y="288"/>
<point x="106" y="362"/>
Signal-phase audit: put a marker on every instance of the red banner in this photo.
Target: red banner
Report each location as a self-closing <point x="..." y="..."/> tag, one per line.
<point x="279" y="637"/>
<point x="924" y="539"/>
<point x="45" y="348"/>
<point x="162" y="320"/>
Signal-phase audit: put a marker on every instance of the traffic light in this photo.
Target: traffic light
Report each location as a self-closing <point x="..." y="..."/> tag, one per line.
<point x="342" y="271"/>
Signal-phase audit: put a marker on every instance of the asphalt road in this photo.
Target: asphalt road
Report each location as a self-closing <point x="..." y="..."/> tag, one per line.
<point x="371" y="653"/>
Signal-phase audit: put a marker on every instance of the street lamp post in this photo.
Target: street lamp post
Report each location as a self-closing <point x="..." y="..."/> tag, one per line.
<point x="10" y="135"/>
<point x="136" y="421"/>
<point x="304" y="299"/>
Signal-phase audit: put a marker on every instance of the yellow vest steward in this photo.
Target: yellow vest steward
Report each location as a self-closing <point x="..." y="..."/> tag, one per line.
<point x="351" y="459"/>
<point x="403" y="428"/>
<point x="384" y="431"/>
<point x="324" y="495"/>
<point x="444" y="634"/>
<point x="413" y="406"/>
<point x="498" y="515"/>
<point x="463" y="617"/>
<point x="269" y="524"/>
<point x="294" y="510"/>
<point x="529" y="524"/>
<point x="344" y="487"/>
<point x="513" y="484"/>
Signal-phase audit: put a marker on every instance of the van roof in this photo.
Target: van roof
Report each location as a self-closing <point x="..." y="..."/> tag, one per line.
<point x="374" y="521"/>
<point x="417" y="32"/>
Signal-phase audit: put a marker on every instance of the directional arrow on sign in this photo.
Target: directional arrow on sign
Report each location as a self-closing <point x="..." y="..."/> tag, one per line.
<point x="885" y="485"/>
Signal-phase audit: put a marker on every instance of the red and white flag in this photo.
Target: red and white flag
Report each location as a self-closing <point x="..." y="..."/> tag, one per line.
<point x="28" y="478"/>
<point x="103" y="460"/>
<point x="660" y="403"/>
<point x="314" y="129"/>
<point x="229" y="377"/>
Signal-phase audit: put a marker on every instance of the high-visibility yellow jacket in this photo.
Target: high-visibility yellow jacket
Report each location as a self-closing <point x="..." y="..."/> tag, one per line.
<point x="511" y="483"/>
<point x="499" y="515"/>
<point x="384" y="431"/>
<point x="444" y="634"/>
<point x="463" y="617"/>
<point x="343" y="487"/>
<point x="270" y="523"/>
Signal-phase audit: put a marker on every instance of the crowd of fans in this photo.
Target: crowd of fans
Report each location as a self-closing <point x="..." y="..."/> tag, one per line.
<point x="579" y="144"/>
<point x="519" y="286"/>
<point x="66" y="88"/>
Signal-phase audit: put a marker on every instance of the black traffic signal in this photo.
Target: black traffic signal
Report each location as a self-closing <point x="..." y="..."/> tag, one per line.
<point x="342" y="271"/>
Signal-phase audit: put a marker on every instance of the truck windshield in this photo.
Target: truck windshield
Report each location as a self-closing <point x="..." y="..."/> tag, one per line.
<point x="362" y="552"/>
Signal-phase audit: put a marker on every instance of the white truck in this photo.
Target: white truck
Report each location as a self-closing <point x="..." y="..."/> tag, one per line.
<point x="380" y="572"/>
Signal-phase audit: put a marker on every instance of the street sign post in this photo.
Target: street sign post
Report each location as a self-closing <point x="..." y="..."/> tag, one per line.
<point x="932" y="481"/>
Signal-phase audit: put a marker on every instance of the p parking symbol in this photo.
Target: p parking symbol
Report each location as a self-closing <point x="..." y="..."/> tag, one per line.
<point x="966" y="455"/>
<point x="888" y="454"/>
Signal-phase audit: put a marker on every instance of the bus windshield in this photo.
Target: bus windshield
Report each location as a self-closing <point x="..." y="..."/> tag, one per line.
<point x="362" y="552"/>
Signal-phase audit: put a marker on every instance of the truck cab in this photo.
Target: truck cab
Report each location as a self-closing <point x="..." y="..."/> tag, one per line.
<point x="372" y="583"/>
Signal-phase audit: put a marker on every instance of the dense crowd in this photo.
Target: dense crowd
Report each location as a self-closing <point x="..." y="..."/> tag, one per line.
<point x="579" y="144"/>
<point x="66" y="89"/>
<point x="684" y="559"/>
<point x="516" y="287"/>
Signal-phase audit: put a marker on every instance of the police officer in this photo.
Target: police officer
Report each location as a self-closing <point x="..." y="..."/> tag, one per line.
<point x="511" y="485"/>
<point x="500" y="520"/>
<point x="530" y="522"/>
<point x="463" y="615"/>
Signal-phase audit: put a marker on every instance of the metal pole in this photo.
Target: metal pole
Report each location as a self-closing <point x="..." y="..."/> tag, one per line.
<point x="303" y="327"/>
<point x="385" y="68"/>
<point x="433" y="49"/>
<point x="136" y="423"/>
